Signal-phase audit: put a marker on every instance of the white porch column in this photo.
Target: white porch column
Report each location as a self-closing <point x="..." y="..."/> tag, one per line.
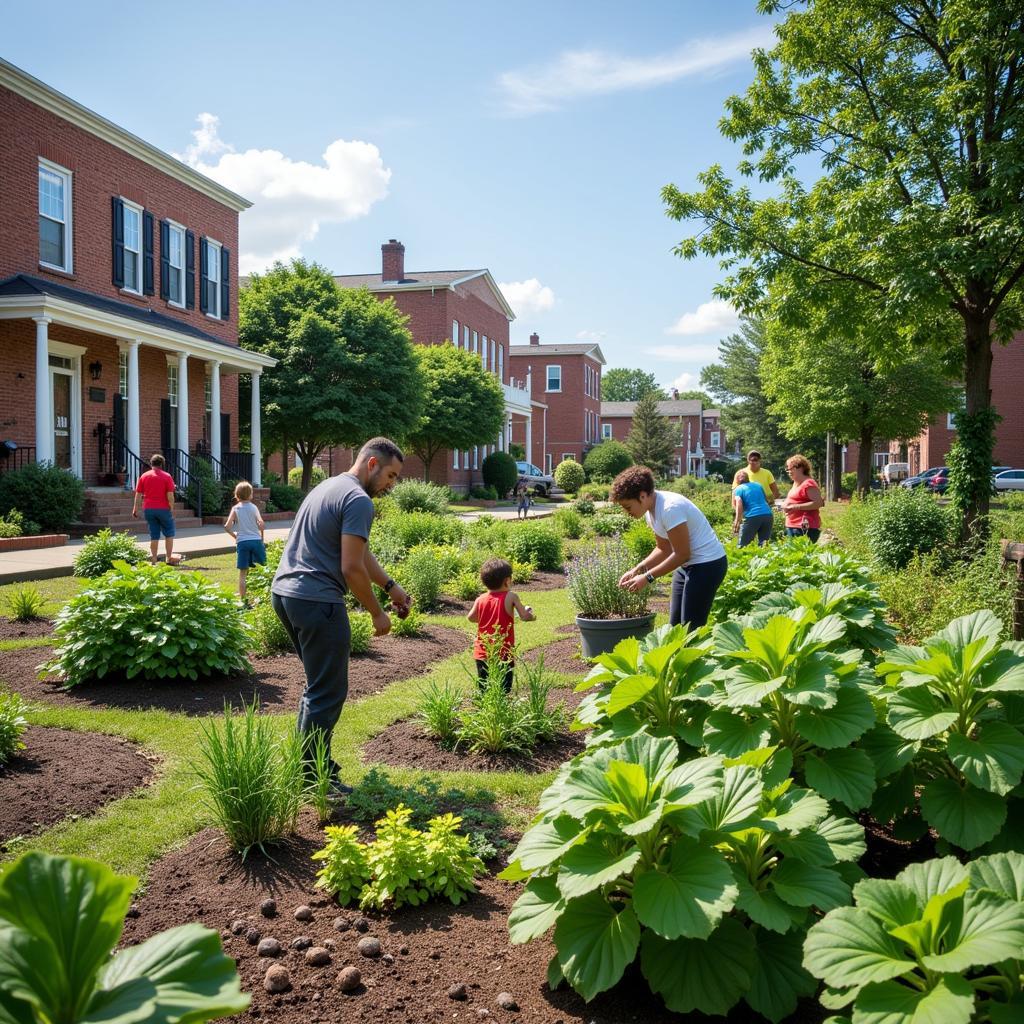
<point x="529" y="438"/>
<point x="215" y="438"/>
<point x="44" y="409"/>
<point x="255" y="441"/>
<point x="133" y="436"/>
<point x="182" y="442"/>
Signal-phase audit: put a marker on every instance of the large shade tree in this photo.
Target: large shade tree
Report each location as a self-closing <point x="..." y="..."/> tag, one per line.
<point x="346" y="367"/>
<point x="628" y="385"/>
<point x="910" y="115"/>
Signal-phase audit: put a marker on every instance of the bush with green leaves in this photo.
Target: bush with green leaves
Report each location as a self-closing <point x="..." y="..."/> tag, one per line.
<point x="497" y="720"/>
<point x="43" y="494"/>
<point x="414" y="528"/>
<point x="465" y="586"/>
<point x="522" y="572"/>
<point x="595" y="491"/>
<point x="570" y="476"/>
<point x="569" y="523"/>
<point x="905" y="522"/>
<point x="411" y="625"/>
<point x="422" y="574"/>
<point x="99" y="553"/>
<point x="316" y="476"/>
<point x="605" y="461"/>
<point x="500" y="471"/>
<point x="152" y="621"/>
<point x="609" y="521"/>
<point x="12" y="524"/>
<point x="203" y="479"/>
<point x="638" y="540"/>
<point x="403" y="867"/>
<point x="711" y="873"/>
<point x="419" y="496"/>
<point x="61" y="919"/>
<point x="360" y="632"/>
<point x="285" y="497"/>
<point x="942" y="942"/>
<point x="953" y="710"/>
<point x="260" y="577"/>
<point x="439" y="711"/>
<point x="584" y="506"/>
<point x="12" y="724"/>
<point x="24" y="604"/>
<point x="483" y="493"/>
<point x="593" y="583"/>
<point x="269" y="636"/>
<point x="534" y="542"/>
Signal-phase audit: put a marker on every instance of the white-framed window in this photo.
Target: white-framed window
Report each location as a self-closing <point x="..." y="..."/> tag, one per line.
<point x="465" y="459"/>
<point x="483" y="352"/>
<point x="476" y="344"/>
<point x="132" y="247"/>
<point x="547" y="463"/>
<point x="716" y="439"/>
<point x="568" y="455"/>
<point x="679" y="465"/>
<point x="494" y="356"/>
<point x="455" y="455"/>
<point x="54" y="216"/>
<point x="172" y="385"/>
<point x="476" y="456"/>
<point x="554" y="378"/>
<point x="456" y="340"/>
<point x="176" y="264"/>
<point x="606" y="431"/>
<point x="465" y="338"/>
<point x="211" y="285"/>
<point x="951" y="416"/>
<point x="122" y="373"/>
<point x="501" y="363"/>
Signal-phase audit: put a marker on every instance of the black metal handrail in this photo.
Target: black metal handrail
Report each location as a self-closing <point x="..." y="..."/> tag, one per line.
<point x="231" y="466"/>
<point x="126" y="461"/>
<point x="17" y="457"/>
<point x="183" y="479"/>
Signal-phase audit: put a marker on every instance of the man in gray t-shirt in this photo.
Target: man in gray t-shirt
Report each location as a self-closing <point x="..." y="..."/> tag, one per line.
<point x="326" y="555"/>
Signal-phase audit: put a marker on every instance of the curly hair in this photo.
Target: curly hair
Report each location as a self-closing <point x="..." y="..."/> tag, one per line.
<point x="494" y="572"/>
<point x="631" y="483"/>
<point x="801" y="461"/>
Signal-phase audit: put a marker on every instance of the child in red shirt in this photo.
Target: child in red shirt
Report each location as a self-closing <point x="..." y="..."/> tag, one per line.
<point x="495" y="615"/>
<point x="155" y="487"/>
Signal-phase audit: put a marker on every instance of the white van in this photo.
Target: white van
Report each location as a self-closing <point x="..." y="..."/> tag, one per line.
<point x="894" y="472"/>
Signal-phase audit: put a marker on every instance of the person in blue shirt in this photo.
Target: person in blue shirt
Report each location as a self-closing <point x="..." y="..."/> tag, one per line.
<point x="751" y="510"/>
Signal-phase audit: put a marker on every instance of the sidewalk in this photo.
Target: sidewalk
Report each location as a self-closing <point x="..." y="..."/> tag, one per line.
<point x="45" y="563"/>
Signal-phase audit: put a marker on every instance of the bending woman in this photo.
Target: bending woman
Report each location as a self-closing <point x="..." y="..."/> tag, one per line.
<point x="686" y="546"/>
<point x="751" y="510"/>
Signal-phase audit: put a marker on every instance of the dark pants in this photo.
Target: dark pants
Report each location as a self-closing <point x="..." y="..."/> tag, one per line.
<point x="810" y="533"/>
<point x="693" y="590"/>
<point x="483" y="674"/>
<point x="320" y="634"/>
<point x="756" y="526"/>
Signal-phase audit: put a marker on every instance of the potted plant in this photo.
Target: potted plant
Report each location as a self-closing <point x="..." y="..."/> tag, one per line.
<point x="606" y="613"/>
<point x="120" y="475"/>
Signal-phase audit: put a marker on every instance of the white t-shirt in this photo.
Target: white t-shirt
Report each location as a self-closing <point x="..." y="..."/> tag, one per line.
<point x="671" y="509"/>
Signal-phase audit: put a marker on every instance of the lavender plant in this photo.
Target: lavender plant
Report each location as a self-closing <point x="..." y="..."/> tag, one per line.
<point x="593" y="580"/>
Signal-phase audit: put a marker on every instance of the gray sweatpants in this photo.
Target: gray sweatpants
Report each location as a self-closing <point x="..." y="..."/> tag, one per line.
<point x="756" y="526"/>
<point x="320" y="634"/>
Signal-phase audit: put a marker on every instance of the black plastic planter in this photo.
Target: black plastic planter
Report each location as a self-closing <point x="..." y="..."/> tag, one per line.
<point x="601" y="635"/>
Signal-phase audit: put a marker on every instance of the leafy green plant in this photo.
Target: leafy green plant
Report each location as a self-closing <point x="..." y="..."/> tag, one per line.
<point x="423" y="575"/>
<point x="417" y="496"/>
<point x="345" y="868"/>
<point x="44" y="494"/>
<point x="465" y="586"/>
<point x="361" y="633"/>
<point x="439" y="711"/>
<point x="25" y="604"/>
<point x="286" y="497"/>
<point x="411" y="625"/>
<point x="269" y="636"/>
<point x="609" y="522"/>
<point x="496" y="721"/>
<point x="99" y="553"/>
<point x="584" y="506"/>
<point x="316" y="476"/>
<point x="61" y="919"/>
<point x="499" y="471"/>
<point x="12" y="724"/>
<point x="251" y="778"/>
<point x="570" y="475"/>
<point x="522" y="572"/>
<point x="260" y="577"/>
<point x="903" y="523"/>
<point x="953" y="729"/>
<point x="319" y="776"/>
<point x="569" y="523"/>
<point x="204" y="483"/>
<point x="942" y="942"/>
<point x="12" y="524"/>
<point x="414" y="528"/>
<point x="536" y="543"/>
<point x="593" y="583"/>
<point x="638" y="540"/>
<point x="605" y="461"/>
<point x="151" y="621"/>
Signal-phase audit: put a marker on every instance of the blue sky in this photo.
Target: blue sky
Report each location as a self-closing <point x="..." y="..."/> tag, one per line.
<point x="532" y="139"/>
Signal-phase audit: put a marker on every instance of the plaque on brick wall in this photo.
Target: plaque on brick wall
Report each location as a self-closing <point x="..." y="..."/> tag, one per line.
<point x="97" y="394"/>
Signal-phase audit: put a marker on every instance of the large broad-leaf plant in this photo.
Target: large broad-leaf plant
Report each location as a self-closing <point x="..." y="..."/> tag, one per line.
<point x="60" y="919"/>
<point x="954" y="731"/>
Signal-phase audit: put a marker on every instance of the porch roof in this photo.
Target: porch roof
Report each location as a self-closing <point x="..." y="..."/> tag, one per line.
<point x="24" y="295"/>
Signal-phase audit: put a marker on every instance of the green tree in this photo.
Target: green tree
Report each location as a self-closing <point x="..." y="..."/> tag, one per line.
<point x="607" y="460"/>
<point x="569" y="475"/>
<point x="463" y="405"/>
<point x="696" y="396"/>
<point x="622" y="385"/>
<point x="346" y="368"/>
<point x="652" y="439"/>
<point x="914" y="113"/>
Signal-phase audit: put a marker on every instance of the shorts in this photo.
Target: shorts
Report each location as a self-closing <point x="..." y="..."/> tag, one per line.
<point x="160" y="521"/>
<point x="249" y="553"/>
<point x="812" y="533"/>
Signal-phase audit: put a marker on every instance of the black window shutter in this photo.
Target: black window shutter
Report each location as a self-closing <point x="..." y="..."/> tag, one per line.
<point x="147" y="253"/>
<point x="225" y="287"/>
<point x="225" y="433"/>
<point x="166" y="441"/>
<point x="190" y="270"/>
<point x="117" y="212"/>
<point x="203" y="272"/>
<point x="165" y="260"/>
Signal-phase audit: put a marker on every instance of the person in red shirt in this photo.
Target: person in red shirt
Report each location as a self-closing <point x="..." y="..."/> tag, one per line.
<point x="803" y="502"/>
<point x="155" y="488"/>
<point x="495" y="616"/>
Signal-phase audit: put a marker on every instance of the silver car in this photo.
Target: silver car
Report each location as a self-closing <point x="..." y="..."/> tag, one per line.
<point x="538" y="482"/>
<point x="1009" y="480"/>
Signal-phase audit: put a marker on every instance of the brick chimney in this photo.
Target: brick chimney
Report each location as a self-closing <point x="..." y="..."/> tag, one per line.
<point x="535" y="338"/>
<point x="675" y="394"/>
<point x="392" y="260"/>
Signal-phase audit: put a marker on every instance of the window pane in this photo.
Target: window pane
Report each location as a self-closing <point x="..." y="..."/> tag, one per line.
<point x="51" y="194"/>
<point x="51" y="242"/>
<point x="131" y="229"/>
<point x="175" y="254"/>
<point x="212" y="297"/>
<point x="174" y="285"/>
<point x="212" y="263"/>
<point x="131" y="270"/>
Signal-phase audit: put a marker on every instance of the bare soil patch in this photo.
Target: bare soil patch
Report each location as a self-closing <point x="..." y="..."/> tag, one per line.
<point x="449" y="605"/>
<point x="12" y="630"/>
<point x="62" y="773"/>
<point x="562" y="656"/>
<point x="278" y="682"/>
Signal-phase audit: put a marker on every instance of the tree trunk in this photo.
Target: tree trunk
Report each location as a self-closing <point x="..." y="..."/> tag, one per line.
<point x="978" y="443"/>
<point x="866" y="442"/>
<point x="427" y="458"/>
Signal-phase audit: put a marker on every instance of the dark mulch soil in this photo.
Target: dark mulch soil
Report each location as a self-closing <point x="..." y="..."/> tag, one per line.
<point x="278" y="682"/>
<point x="11" y="630"/>
<point x="62" y="773"/>
<point x="426" y="949"/>
<point x="886" y="855"/>
<point x="448" y="605"/>
<point x="562" y="656"/>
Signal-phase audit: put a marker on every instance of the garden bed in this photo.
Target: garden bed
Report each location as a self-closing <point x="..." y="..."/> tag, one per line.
<point x="449" y="605"/>
<point x="562" y="655"/>
<point x="426" y="950"/>
<point x="278" y="682"/>
<point x="62" y="773"/>
<point x="10" y="629"/>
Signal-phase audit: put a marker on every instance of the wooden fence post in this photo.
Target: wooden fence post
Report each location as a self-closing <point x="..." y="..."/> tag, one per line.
<point x="1013" y="554"/>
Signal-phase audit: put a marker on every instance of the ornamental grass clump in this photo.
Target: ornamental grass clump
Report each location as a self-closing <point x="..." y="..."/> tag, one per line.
<point x="25" y="604"/>
<point x="153" y="622"/>
<point x="99" y="553"/>
<point x="12" y="724"/>
<point x="593" y="583"/>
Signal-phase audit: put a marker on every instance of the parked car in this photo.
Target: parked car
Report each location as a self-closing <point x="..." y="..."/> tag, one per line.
<point x="921" y="478"/>
<point x="894" y="472"/>
<point x="1009" y="480"/>
<point x="538" y="482"/>
<point x="939" y="483"/>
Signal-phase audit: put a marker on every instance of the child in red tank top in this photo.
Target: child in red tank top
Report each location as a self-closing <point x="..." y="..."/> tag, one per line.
<point x="495" y="616"/>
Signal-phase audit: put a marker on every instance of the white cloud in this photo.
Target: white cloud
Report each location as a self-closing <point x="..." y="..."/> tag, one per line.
<point x="686" y="381"/>
<point x="528" y="296"/>
<point x="714" y="317"/>
<point x="292" y="199"/>
<point x="697" y="353"/>
<point x="577" y="74"/>
<point x="594" y="336"/>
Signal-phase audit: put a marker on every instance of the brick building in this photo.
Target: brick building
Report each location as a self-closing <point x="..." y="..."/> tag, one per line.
<point x="118" y="288"/>
<point x="565" y="390"/>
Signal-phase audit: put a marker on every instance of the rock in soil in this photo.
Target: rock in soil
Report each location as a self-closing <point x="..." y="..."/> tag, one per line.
<point x="457" y="992"/>
<point x="277" y="979"/>
<point x="361" y="925"/>
<point x="507" y="1001"/>
<point x="239" y="927"/>
<point x="303" y="913"/>
<point x="368" y="946"/>
<point x="317" y="956"/>
<point x="268" y="947"/>
<point x="342" y="924"/>
<point x="349" y="979"/>
<point x="252" y="936"/>
<point x="301" y="942"/>
<point x="268" y="908"/>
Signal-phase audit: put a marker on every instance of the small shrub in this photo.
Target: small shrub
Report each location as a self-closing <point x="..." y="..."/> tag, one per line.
<point x="413" y="528"/>
<point x="260" y="577"/>
<point x="411" y="625"/>
<point x="268" y="633"/>
<point x="12" y="724"/>
<point x="638" y="540"/>
<point x="595" y="491"/>
<point x="536" y="543"/>
<point x="490" y="534"/>
<point x="12" y="524"/>
<point x="465" y="586"/>
<point x="346" y="869"/>
<point x="499" y="471"/>
<point x="213" y="490"/>
<point x="593" y="582"/>
<point x="848" y="483"/>
<point x="584" y="506"/>
<point x="316" y="476"/>
<point x="499" y="721"/>
<point x="25" y="604"/>
<point x="419" y="496"/>
<point x="151" y="621"/>
<point x="569" y="475"/>
<point x="609" y="522"/>
<point x="286" y="497"/>
<point x="423" y="576"/>
<point x="903" y="523"/>
<point x="361" y="630"/>
<point x="439" y="711"/>
<point x="43" y="494"/>
<point x="569" y="523"/>
<point x="385" y="542"/>
<point x="483" y="493"/>
<point x="522" y="572"/>
<point x="605" y="461"/>
<point x="99" y="553"/>
<point x="251" y="779"/>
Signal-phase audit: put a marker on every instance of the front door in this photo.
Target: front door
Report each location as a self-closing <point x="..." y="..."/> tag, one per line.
<point x="61" y="391"/>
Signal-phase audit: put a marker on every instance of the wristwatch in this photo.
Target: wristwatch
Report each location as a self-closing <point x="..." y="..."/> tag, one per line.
<point x="387" y="586"/>
<point x="650" y="577"/>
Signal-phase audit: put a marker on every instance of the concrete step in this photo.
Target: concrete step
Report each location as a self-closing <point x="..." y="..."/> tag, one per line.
<point x="139" y="526"/>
